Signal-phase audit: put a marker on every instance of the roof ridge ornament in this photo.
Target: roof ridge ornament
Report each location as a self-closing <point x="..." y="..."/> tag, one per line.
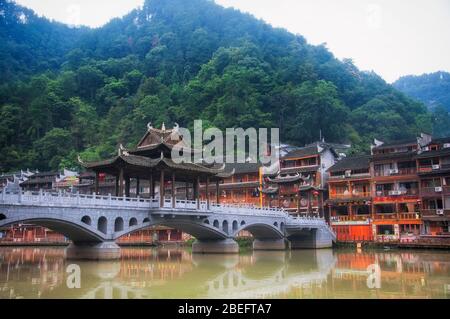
<point x="163" y="127"/>
<point x="149" y="126"/>
<point x="80" y="160"/>
<point x="123" y="150"/>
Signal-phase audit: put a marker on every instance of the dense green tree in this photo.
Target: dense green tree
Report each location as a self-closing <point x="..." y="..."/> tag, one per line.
<point x="68" y="91"/>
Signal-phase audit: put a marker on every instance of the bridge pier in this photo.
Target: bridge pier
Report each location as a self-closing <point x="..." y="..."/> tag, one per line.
<point x="225" y="246"/>
<point x="107" y="250"/>
<point x="270" y="244"/>
<point x="313" y="239"/>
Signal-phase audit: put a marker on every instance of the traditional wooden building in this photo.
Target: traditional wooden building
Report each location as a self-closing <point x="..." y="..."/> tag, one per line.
<point x="150" y="170"/>
<point x="395" y="188"/>
<point x="433" y="166"/>
<point x="300" y="185"/>
<point x="241" y="186"/>
<point x="350" y="199"/>
<point x="151" y="162"/>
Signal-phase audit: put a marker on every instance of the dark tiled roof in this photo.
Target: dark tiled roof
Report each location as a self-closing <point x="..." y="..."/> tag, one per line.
<point x="442" y="152"/>
<point x="387" y="156"/>
<point x="42" y="174"/>
<point x="440" y="140"/>
<point x="397" y="143"/>
<point x="302" y="152"/>
<point x="242" y="168"/>
<point x="286" y="179"/>
<point x="351" y="163"/>
<point x="151" y="162"/>
<point x="306" y="169"/>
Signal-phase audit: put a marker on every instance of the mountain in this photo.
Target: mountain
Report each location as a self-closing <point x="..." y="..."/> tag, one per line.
<point x="31" y="44"/>
<point x="433" y="89"/>
<point x="80" y="90"/>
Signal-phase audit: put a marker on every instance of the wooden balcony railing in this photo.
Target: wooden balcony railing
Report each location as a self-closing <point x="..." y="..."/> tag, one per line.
<point x="390" y="216"/>
<point x="400" y="171"/>
<point x="435" y="212"/>
<point x="395" y="193"/>
<point x="346" y="218"/>
<point x="431" y="168"/>
<point x="349" y="196"/>
<point x="362" y="175"/>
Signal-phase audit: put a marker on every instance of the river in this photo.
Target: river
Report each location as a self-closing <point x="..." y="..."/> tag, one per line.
<point x="43" y="272"/>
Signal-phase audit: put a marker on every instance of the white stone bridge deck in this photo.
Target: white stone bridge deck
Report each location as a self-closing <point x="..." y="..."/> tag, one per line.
<point x="100" y="219"/>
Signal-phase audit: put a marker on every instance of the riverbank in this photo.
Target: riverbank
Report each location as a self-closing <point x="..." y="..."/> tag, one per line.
<point x="246" y="244"/>
<point x="393" y="245"/>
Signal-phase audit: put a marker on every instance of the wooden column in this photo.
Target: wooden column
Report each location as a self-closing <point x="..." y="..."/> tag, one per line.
<point x="127" y="186"/>
<point x="217" y="192"/>
<point x="121" y="182"/>
<point x="197" y="191"/>
<point x="207" y="192"/>
<point x="152" y="186"/>
<point x="138" y="186"/>
<point x="97" y="176"/>
<point x="117" y="186"/>
<point x="161" y="189"/>
<point x="174" y="196"/>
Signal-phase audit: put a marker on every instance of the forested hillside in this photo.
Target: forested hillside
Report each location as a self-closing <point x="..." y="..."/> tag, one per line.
<point x="66" y="91"/>
<point x="434" y="90"/>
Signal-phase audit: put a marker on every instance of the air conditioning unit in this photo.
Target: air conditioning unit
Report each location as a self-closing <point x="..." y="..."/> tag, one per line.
<point x="446" y="145"/>
<point x="393" y="193"/>
<point x="437" y="166"/>
<point x="438" y="189"/>
<point x="348" y="173"/>
<point x="440" y="212"/>
<point x="393" y="171"/>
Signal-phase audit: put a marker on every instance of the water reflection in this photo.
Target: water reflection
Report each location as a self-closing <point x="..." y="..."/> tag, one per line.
<point x="175" y="273"/>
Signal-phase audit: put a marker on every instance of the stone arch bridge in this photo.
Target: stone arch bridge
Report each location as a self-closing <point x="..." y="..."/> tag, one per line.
<point x="94" y="222"/>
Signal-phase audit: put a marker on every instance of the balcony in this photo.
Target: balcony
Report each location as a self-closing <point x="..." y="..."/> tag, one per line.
<point x="397" y="193"/>
<point x="350" y="176"/>
<point x="435" y="213"/>
<point x="432" y="168"/>
<point x="396" y="172"/>
<point x="435" y="191"/>
<point x="349" y="196"/>
<point x="346" y="218"/>
<point x="394" y="216"/>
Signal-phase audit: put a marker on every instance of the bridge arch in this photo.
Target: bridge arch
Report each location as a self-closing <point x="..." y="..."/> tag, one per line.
<point x="206" y="221"/>
<point x="199" y="230"/>
<point x="75" y="230"/>
<point x="225" y="226"/>
<point x="133" y="222"/>
<point x="102" y="224"/>
<point x="2" y="217"/>
<point x="118" y="224"/>
<point x="216" y="223"/>
<point x="146" y="220"/>
<point x="261" y="231"/>
<point x="243" y="223"/>
<point x="235" y="225"/>
<point x="87" y="220"/>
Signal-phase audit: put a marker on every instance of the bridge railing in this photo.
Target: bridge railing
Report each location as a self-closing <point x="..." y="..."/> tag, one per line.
<point x="76" y="200"/>
<point x="247" y="209"/>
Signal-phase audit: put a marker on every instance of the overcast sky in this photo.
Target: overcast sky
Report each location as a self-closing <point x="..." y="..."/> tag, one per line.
<point x="391" y="37"/>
